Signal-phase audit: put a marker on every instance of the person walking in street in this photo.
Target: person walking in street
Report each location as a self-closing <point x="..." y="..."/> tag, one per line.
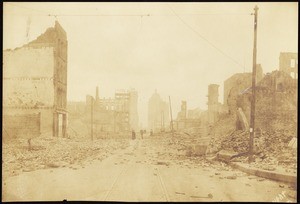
<point x="133" y="135"/>
<point x="142" y="132"/>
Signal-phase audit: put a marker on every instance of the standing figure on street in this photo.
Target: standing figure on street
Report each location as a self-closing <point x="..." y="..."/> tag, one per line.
<point x="151" y="132"/>
<point x="29" y="144"/>
<point x="133" y="135"/>
<point x="142" y="132"/>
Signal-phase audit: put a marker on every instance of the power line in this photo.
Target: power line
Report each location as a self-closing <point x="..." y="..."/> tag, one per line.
<point x="79" y="15"/>
<point x="121" y="15"/>
<point x="210" y="43"/>
<point x="141" y="15"/>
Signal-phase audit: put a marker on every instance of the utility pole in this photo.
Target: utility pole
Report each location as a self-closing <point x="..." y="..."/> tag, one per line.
<point x="171" y="116"/>
<point x="92" y="118"/>
<point x="252" y="119"/>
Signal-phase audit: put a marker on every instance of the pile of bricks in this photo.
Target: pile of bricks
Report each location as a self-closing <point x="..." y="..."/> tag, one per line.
<point x="272" y="147"/>
<point x="51" y="152"/>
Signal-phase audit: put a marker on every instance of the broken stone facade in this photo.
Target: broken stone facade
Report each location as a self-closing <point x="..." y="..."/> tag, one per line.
<point x="158" y="113"/>
<point x="237" y="83"/>
<point x="276" y="102"/>
<point x="35" y="86"/>
<point x="288" y="63"/>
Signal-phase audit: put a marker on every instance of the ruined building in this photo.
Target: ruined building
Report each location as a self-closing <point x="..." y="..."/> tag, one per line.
<point x="182" y="114"/>
<point x="288" y="63"/>
<point x="276" y="97"/>
<point x="194" y="113"/>
<point x="187" y="118"/>
<point x="158" y="113"/>
<point x="214" y="107"/>
<point x="180" y="122"/>
<point x="35" y="86"/>
<point x="113" y="115"/>
<point x="276" y="102"/>
<point x="237" y="83"/>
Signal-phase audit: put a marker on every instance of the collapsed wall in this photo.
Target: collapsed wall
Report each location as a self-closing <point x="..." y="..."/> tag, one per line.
<point x="276" y="99"/>
<point x="275" y="118"/>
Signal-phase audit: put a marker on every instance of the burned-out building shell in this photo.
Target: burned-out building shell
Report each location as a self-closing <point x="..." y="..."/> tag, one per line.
<point x="35" y="86"/>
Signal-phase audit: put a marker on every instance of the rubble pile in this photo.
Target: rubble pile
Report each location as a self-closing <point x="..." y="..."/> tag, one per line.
<point x="271" y="142"/>
<point x="50" y="152"/>
<point x="238" y="142"/>
<point x="163" y="150"/>
<point x="221" y="129"/>
<point x="178" y="145"/>
<point x="271" y="148"/>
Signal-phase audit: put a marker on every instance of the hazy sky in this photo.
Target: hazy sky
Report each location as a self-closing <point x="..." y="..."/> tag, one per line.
<point x="176" y="48"/>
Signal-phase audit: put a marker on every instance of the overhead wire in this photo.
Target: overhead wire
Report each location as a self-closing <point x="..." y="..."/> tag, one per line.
<point x="121" y="15"/>
<point x="141" y="16"/>
<point x="205" y="39"/>
<point x="46" y="13"/>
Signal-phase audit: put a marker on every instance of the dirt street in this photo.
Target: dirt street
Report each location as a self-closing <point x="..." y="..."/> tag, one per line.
<point x="141" y="173"/>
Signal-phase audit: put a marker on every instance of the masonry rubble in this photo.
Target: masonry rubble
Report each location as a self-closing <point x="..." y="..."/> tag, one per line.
<point x="275" y="121"/>
<point x="49" y="152"/>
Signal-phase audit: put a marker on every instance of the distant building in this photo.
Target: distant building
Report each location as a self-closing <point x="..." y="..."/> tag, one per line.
<point x="112" y="115"/>
<point x="35" y="86"/>
<point x="288" y="63"/>
<point x="158" y="113"/>
<point x="182" y="114"/>
<point x="180" y="122"/>
<point x="187" y="118"/>
<point x="194" y="113"/>
<point x="213" y="105"/>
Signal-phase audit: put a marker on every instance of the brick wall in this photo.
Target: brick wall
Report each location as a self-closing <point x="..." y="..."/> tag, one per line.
<point x="275" y="109"/>
<point x="28" y="77"/>
<point x="28" y="62"/>
<point x="25" y="126"/>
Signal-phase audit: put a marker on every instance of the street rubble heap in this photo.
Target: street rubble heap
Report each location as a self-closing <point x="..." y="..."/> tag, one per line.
<point x="269" y="155"/>
<point x="178" y="148"/>
<point x="50" y="152"/>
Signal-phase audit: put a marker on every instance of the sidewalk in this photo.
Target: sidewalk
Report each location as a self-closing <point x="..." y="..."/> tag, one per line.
<point x="278" y="175"/>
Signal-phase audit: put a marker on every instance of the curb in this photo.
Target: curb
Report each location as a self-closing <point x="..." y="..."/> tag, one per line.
<point x="287" y="178"/>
